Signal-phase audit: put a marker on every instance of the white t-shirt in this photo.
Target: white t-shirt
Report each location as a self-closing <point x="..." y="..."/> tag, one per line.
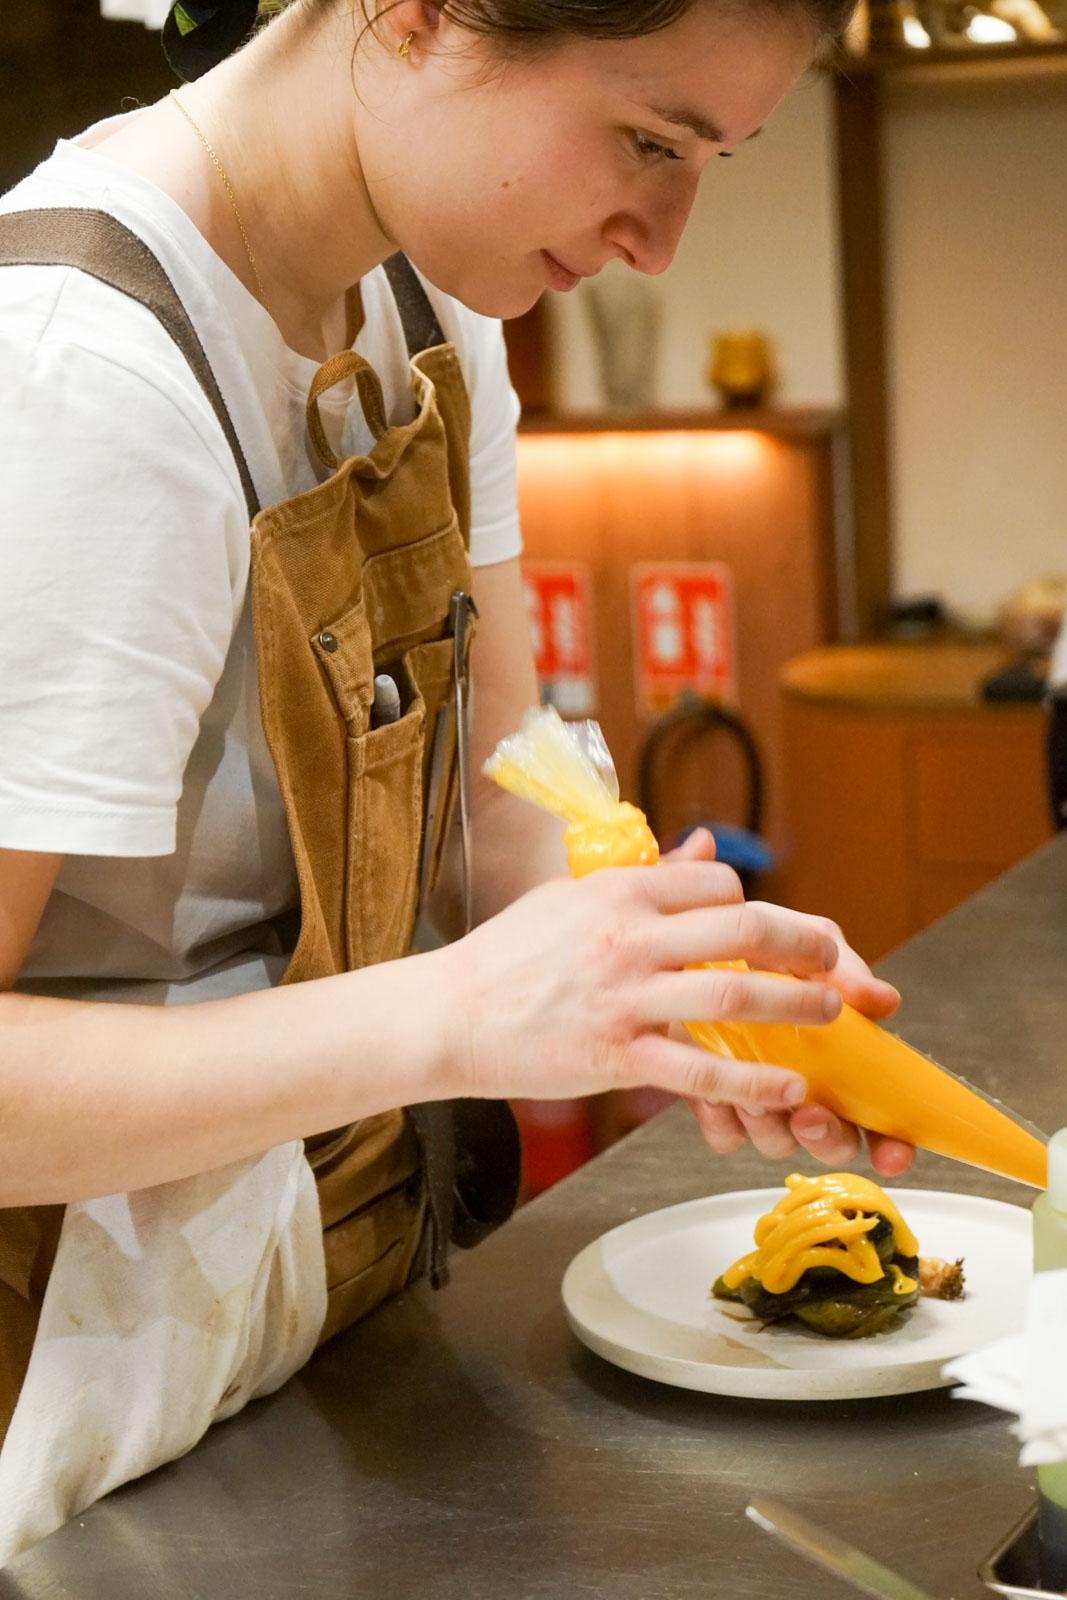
<point x="130" y="734"/>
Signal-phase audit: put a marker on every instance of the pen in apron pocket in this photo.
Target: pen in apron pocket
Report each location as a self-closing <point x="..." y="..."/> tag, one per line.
<point x="386" y="705"/>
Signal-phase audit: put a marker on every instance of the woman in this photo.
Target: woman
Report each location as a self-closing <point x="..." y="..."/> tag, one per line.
<point x="201" y="793"/>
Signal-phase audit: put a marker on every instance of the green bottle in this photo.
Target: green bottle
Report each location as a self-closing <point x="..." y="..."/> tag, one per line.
<point x="1050" y="1253"/>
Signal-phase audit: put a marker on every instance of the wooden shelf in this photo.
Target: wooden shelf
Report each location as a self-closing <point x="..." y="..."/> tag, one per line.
<point x="908" y="63"/>
<point x="797" y="422"/>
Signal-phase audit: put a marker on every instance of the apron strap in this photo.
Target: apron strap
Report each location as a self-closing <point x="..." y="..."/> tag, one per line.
<point x="422" y="331"/>
<point x="98" y="244"/>
<point x="421" y="327"/>
<point x="435" y="1129"/>
<point x="346" y="364"/>
<point x="473" y="1161"/>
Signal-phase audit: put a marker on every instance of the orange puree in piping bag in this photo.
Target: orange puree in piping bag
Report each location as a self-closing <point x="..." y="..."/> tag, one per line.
<point x="854" y="1068"/>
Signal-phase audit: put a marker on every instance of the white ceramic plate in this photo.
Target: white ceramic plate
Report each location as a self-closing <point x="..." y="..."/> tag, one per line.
<point x="640" y="1297"/>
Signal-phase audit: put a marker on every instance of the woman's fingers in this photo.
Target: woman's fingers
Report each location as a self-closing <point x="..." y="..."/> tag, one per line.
<point x="717" y="994"/>
<point x="776" y="1134"/>
<point x="696" y="1074"/>
<point x="889" y="1157"/>
<point x="684" y="885"/>
<point x="704" y="917"/>
<point x="779" y="939"/>
<point x="720" y="1126"/>
<point x="769" y="1132"/>
<point x="825" y="1136"/>
<point x="853" y="978"/>
<point x="696" y="846"/>
<point x="765" y="936"/>
<point x="860" y="988"/>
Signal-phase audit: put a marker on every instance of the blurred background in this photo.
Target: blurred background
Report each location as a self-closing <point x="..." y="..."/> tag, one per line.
<point x="795" y="511"/>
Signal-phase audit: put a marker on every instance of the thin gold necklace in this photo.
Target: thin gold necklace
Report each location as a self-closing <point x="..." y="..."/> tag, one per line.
<point x="229" y="193"/>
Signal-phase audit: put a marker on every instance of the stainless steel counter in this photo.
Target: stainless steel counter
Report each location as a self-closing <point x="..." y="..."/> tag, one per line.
<point x="465" y="1445"/>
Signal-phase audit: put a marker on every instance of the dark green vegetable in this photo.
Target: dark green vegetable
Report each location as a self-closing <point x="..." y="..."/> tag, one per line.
<point x="831" y="1303"/>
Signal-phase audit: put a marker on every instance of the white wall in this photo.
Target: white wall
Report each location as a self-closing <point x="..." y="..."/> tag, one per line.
<point x="760" y="251"/>
<point x="976" y="203"/>
<point x="976" y="242"/>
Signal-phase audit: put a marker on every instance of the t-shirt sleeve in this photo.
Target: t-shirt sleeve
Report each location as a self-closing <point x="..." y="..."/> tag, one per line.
<point x="495" y="531"/>
<point x="123" y="565"/>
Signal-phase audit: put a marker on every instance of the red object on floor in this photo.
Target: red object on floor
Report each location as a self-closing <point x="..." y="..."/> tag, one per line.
<point x="557" y="1138"/>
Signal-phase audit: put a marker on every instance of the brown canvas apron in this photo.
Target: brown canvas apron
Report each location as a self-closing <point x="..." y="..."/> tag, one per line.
<point x="362" y="574"/>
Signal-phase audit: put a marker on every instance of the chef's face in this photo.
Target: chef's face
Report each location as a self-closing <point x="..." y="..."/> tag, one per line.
<point x="503" y="178"/>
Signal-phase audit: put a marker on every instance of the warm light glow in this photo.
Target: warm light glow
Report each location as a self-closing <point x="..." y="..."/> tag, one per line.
<point x="727" y="452"/>
<point x="989" y="30"/>
<point x="915" y="34"/>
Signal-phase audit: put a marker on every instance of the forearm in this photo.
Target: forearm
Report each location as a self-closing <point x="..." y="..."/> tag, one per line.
<point x="97" y="1098"/>
<point x="516" y="847"/>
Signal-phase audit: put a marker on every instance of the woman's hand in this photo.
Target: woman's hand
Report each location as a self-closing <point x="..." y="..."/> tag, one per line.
<point x="777" y="1135"/>
<point x="812" y="1128"/>
<point x="570" y="990"/>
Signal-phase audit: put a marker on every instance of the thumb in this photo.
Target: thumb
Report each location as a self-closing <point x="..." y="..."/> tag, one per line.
<point x="697" y="846"/>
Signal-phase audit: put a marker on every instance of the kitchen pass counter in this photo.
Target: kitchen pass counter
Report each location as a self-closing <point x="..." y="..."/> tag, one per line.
<point x="464" y="1446"/>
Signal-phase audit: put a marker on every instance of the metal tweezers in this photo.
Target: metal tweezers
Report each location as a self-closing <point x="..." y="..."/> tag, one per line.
<point x="455" y="712"/>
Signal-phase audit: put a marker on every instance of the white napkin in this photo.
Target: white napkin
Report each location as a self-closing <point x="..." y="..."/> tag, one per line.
<point x="1027" y="1373"/>
<point x="153" y="13"/>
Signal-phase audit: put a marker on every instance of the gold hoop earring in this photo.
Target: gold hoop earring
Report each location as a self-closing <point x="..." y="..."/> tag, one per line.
<point x="405" y="49"/>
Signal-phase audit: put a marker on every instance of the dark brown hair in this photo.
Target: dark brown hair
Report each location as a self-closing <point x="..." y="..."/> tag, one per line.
<point x="516" y="22"/>
<point x="518" y="26"/>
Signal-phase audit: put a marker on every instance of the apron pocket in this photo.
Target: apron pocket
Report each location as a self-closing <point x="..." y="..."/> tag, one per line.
<point x="370" y="1255"/>
<point x="362" y="1160"/>
<point x="408" y="588"/>
<point x="372" y="1205"/>
<point x="390" y="770"/>
<point x="343" y="649"/>
<point x="384" y="830"/>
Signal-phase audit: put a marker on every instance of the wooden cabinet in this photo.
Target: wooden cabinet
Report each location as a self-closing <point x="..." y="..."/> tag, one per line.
<point x="905" y="792"/>
<point x="755" y="491"/>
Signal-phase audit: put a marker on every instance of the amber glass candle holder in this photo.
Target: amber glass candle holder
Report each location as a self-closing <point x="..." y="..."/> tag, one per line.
<point x="740" y="368"/>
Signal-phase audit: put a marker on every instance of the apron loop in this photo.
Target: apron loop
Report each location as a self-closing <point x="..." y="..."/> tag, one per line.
<point x="346" y="364"/>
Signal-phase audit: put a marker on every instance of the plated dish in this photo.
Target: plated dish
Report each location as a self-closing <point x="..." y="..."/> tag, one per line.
<point x="836" y="1254"/>
<point x="639" y="1297"/>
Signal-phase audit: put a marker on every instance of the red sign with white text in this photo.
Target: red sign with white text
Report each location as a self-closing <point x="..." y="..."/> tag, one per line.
<point x="559" y="609"/>
<point x="683" y="633"/>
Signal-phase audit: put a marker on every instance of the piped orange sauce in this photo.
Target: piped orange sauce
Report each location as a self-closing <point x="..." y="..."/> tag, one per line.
<point x="824" y="1222"/>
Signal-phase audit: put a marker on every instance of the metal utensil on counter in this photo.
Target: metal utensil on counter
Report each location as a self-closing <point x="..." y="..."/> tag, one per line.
<point x="827" y="1550"/>
<point x="1013" y="1567"/>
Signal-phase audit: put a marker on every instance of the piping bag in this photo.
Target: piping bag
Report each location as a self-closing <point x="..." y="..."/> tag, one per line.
<point x="853" y="1067"/>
